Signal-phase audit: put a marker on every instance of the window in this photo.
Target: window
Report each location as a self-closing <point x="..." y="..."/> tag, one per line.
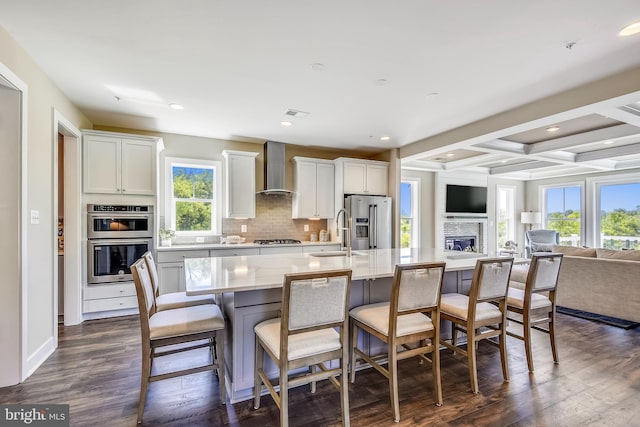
<point x="563" y="213"/>
<point x="506" y="208"/>
<point x="192" y="196"/>
<point x="409" y="214"/>
<point x="619" y="215"/>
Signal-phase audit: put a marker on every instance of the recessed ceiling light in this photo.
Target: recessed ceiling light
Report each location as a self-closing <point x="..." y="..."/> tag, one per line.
<point x="504" y="161"/>
<point x="385" y="138"/>
<point x="553" y="129"/>
<point x="607" y="142"/>
<point x="176" y="106"/>
<point x="631" y="29"/>
<point x="286" y="123"/>
<point x="450" y="154"/>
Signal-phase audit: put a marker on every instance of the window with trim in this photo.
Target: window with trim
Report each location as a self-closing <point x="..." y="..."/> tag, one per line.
<point x="619" y="215"/>
<point x="409" y="214"/>
<point x="506" y="214"/>
<point x="563" y="213"/>
<point x="193" y="196"/>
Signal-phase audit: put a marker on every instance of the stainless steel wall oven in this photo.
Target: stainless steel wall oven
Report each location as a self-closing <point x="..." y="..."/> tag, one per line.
<point x="117" y="236"/>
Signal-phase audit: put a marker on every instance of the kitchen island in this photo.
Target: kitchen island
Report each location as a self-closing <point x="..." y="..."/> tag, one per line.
<point x="251" y="287"/>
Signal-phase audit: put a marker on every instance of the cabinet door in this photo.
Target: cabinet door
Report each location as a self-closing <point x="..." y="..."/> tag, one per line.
<point x="241" y="186"/>
<point x="171" y="277"/>
<point x="354" y="178"/>
<point x="102" y="165"/>
<point x="325" y="190"/>
<point x="304" y="198"/>
<point x="377" y="180"/>
<point x="138" y="167"/>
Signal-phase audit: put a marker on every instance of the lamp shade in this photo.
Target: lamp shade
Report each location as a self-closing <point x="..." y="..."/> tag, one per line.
<point x="531" y="217"/>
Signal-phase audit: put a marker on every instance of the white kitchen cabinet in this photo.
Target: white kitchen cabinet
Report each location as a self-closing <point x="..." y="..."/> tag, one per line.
<point x="355" y="176"/>
<point x="109" y="297"/>
<point x="240" y="188"/>
<point x="314" y="181"/>
<point x="115" y="164"/>
<point x="170" y="265"/>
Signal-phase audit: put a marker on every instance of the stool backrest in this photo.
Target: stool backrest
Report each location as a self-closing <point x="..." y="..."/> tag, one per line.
<point x="144" y="292"/>
<point x="417" y="286"/>
<point x="153" y="272"/>
<point x="491" y="279"/>
<point x="544" y="271"/>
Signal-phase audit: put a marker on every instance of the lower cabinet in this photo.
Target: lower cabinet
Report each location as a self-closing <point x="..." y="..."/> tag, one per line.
<point x="97" y="298"/>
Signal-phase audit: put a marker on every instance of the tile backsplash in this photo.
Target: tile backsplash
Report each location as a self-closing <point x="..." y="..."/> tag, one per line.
<point x="273" y="221"/>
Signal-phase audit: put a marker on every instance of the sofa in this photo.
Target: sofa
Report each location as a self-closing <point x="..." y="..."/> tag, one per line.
<point x="601" y="281"/>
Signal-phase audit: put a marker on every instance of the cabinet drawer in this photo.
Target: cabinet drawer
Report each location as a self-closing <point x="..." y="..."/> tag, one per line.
<point x="107" y="304"/>
<point x="92" y="292"/>
<point x="281" y="250"/>
<point x="320" y="248"/>
<point x="178" y="256"/>
<point x="235" y="252"/>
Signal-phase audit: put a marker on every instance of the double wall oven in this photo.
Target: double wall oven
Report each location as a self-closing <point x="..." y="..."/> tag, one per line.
<point x="117" y="235"/>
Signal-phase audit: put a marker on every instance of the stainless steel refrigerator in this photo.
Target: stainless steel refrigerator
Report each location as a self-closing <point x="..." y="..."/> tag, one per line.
<point x="371" y="221"/>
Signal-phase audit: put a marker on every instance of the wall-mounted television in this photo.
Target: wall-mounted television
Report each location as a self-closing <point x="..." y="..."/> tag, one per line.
<point x="466" y="199"/>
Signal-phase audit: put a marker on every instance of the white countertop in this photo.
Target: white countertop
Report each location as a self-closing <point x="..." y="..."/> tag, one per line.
<point x="196" y="246"/>
<point x="256" y="272"/>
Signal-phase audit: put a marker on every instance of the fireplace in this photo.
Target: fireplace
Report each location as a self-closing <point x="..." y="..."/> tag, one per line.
<point x="460" y="243"/>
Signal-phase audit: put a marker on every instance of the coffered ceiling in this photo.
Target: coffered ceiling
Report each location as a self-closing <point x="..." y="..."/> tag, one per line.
<point x="369" y="74"/>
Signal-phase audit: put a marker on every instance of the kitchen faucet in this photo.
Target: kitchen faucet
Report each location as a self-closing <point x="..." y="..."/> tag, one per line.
<point x="347" y="228"/>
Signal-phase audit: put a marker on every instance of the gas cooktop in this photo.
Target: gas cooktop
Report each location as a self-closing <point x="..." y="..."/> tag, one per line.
<point x="276" y="241"/>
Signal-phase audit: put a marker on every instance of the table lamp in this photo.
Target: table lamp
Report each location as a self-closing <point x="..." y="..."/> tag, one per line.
<point x="531" y="218"/>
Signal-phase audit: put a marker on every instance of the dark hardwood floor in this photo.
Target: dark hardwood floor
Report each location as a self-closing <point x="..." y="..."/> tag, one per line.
<point x="96" y="370"/>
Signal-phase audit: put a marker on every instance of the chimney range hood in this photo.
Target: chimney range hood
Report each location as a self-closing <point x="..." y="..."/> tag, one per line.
<point x="274" y="168"/>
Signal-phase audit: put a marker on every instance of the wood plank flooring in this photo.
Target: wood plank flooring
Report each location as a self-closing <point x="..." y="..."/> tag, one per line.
<point x="96" y="370"/>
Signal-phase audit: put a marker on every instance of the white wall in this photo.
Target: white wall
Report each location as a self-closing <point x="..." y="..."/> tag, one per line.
<point x="43" y="97"/>
<point x="10" y="213"/>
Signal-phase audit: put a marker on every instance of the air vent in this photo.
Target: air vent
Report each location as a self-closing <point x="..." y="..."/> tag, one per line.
<point x="296" y="113"/>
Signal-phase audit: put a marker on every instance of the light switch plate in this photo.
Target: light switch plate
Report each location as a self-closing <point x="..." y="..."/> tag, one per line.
<point x="306" y="227"/>
<point x="243" y="228"/>
<point x="35" y="217"/>
<point x="199" y="239"/>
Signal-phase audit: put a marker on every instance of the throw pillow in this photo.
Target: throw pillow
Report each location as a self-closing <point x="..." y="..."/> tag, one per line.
<point x="613" y="254"/>
<point x="574" y="251"/>
<point x="541" y="247"/>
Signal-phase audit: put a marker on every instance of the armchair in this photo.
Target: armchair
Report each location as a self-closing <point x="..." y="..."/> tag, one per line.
<point x="540" y="241"/>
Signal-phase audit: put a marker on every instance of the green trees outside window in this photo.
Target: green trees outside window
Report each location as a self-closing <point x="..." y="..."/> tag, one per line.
<point x="193" y="197"/>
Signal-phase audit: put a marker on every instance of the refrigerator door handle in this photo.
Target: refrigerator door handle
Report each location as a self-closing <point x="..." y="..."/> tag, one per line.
<point x="370" y="226"/>
<point x="375" y="226"/>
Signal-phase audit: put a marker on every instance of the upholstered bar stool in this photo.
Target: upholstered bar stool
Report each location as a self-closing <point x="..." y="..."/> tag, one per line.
<point x="173" y="299"/>
<point x="536" y="304"/>
<point x="481" y="314"/>
<point x="312" y="331"/>
<point x="196" y="327"/>
<point x="409" y="324"/>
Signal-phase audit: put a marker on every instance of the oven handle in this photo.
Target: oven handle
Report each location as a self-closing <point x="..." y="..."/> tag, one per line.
<point x="126" y="241"/>
<point x="116" y="215"/>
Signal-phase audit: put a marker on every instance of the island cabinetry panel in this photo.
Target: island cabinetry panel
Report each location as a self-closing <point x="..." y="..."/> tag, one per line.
<point x="240" y="184"/>
<point x="119" y="165"/>
<point x="355" y="176"/>
<point x="244" y="310"/>
<point x="314" y="193"/>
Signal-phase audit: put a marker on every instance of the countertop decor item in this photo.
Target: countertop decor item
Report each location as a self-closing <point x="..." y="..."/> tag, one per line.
<point x="166" y="235"/>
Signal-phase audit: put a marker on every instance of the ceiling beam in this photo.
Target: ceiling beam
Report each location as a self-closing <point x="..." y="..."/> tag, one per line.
<point x="591" y="137"/>
<point x="622" y="116"/>
<point x="607" y="153"/>
<point x="518" y="167"/>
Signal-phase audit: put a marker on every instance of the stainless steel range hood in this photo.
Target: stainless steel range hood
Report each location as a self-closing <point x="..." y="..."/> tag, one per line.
<point x="274" y="170"/>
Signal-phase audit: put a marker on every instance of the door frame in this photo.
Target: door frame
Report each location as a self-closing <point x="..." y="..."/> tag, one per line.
<point x="72" y="222"/>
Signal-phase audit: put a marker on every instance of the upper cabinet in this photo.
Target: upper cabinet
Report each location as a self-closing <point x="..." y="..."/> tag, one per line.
<point x="356" y="176"/>
<point x="116" y="164"/>
<point x="240" y="188"/>
<point x="314" y="188"/>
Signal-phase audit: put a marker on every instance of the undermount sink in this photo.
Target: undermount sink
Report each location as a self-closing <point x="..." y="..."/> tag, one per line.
<point x="334" y="253"/>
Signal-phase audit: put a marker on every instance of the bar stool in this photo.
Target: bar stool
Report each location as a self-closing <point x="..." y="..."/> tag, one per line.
<point x="533" y="306"/>
<point x="408" y="321"/>
<point x="173" y="299"/>
<point x="314" y="305"/>
<point x="485" y="307"/>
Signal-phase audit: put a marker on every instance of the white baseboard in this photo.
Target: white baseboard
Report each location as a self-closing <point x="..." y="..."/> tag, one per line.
<point x="39" y="356"/>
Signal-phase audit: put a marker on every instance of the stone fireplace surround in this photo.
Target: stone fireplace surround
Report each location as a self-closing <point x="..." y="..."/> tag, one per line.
<point x="468" y="234"/>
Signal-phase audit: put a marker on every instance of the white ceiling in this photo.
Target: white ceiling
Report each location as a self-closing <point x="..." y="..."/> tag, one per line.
<point x="409" y="70"/>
